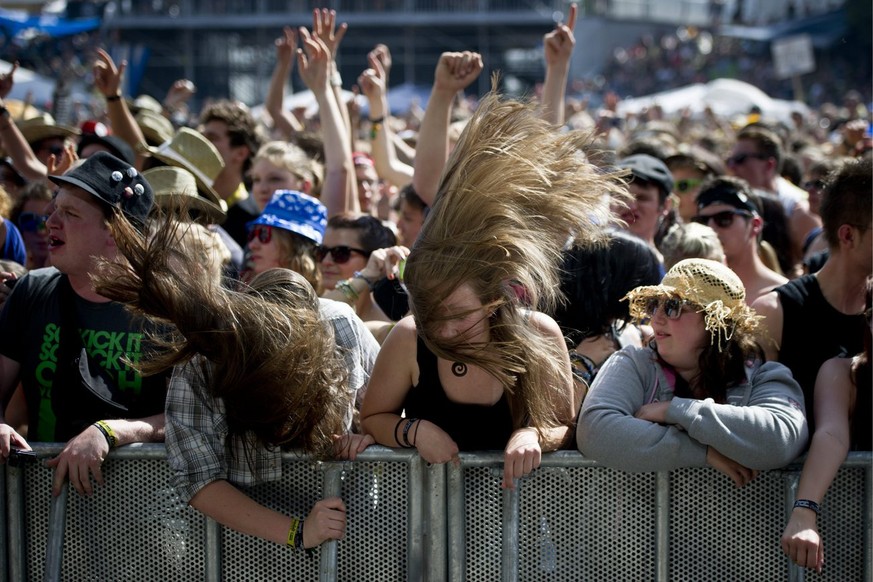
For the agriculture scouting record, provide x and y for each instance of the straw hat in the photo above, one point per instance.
(177, 188)
(43, 126)
(191, 151)
(712, 287)
(155, 127)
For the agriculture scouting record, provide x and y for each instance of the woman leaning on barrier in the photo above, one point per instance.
(843, 396)
(257, 372)
(700, 393)
(476, 366)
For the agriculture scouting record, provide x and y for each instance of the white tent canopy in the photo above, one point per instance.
(39, 87)
(726, 97)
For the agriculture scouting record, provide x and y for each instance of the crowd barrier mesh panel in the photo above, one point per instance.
(375, 546)
(483, 506)
(842, 527)
(132, 528)
(601, 522)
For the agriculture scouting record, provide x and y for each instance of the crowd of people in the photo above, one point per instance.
(492, 281)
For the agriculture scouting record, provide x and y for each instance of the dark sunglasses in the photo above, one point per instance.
(722, 219)
(341, 254)
(813, 185)
(671, 306)
(684, 186)
(740, 159)
(32, 222)
(262, 233)
(56, 150)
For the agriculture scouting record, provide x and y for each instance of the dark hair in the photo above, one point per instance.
(766, 141)
(373, 234)
(241, 127)
(775, 230)
(411, 197)
(595, 279)
(791, 170)
(846, 199)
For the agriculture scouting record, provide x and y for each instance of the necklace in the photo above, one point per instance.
(459, 369)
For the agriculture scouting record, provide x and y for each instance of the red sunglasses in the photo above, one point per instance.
(262, 233)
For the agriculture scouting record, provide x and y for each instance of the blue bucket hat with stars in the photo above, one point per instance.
(296, 212)
(113, 182)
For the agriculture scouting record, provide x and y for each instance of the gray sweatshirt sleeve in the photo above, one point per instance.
(767, 431)
(608, 432)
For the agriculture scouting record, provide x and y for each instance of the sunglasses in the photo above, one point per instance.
(262, 233)
(56, 150)
(341, 253)
(813, 185)
(740, 159)
(671, 306)
(722, 219)
(32, 222)
(684, 186)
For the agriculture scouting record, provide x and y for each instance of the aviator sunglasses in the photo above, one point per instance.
(32, 222)
(671, 306)
(722, 219)
(340, 253)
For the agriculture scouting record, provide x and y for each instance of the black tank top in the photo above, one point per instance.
(812, 332)
(473, 427)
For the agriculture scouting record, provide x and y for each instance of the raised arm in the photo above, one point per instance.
(373, 83)
(107, 80)
(834, 390)
(283, 121)
(454, 72)
(339, 193)
(324, 26)
(11, 138)
(558, 48)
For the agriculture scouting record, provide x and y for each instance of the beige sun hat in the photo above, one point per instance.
(43, 126)
(155, 127)
(176, 188)
(714, 290)
(190, 150)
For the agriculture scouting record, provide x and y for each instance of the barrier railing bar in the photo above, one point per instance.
(416, 529)
(327, 571)
(436, 523)
(54, 549)
(213, 553)
(510, 533)
(455, 508)
(4, 558)
(662, 526)
(868, 523)
(15, 505)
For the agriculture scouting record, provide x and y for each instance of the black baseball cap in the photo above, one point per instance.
(649, 169)
(113, 182)
(725, 190)
(115, 145)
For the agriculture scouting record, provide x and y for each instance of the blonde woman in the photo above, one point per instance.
(478, 366)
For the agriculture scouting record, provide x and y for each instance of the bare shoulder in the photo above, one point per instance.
(544, 323)
(767, 304)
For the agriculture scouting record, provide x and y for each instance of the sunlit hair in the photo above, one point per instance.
(263, 349)
(206, 248)
(298, 254)
(5, 203)
(289, 157)
(691, 241)
(513, 193)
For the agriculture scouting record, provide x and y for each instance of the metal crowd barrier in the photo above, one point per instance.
(569, 520)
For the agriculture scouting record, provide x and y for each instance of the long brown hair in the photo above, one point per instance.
(263, 349)
(514, 192)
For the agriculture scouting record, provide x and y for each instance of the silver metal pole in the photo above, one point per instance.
(54, 551)
(510, 534)
(457, 527)
(327, 571)
(213, 551)
(417, 518)
(4, 526)
(662, 526)
(15, 505)
(436, 534)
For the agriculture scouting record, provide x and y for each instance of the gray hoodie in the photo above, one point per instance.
(763, 425)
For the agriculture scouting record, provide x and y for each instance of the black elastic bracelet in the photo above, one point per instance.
(808, 504)
(378, 120)
(406, 427)
(396, 426)
(116, 97)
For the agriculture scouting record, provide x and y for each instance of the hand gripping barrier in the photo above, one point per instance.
(407, 520)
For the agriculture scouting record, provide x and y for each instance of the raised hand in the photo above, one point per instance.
(286, 46)
(7, 81)
(314, 61)
(455, 71)
(381, 53)
(324, 27)
(372, 80)
(179, 93)
(558, 44)
(107, 77)
(59, 166)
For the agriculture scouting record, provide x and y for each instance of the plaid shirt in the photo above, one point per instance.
(196, 424)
